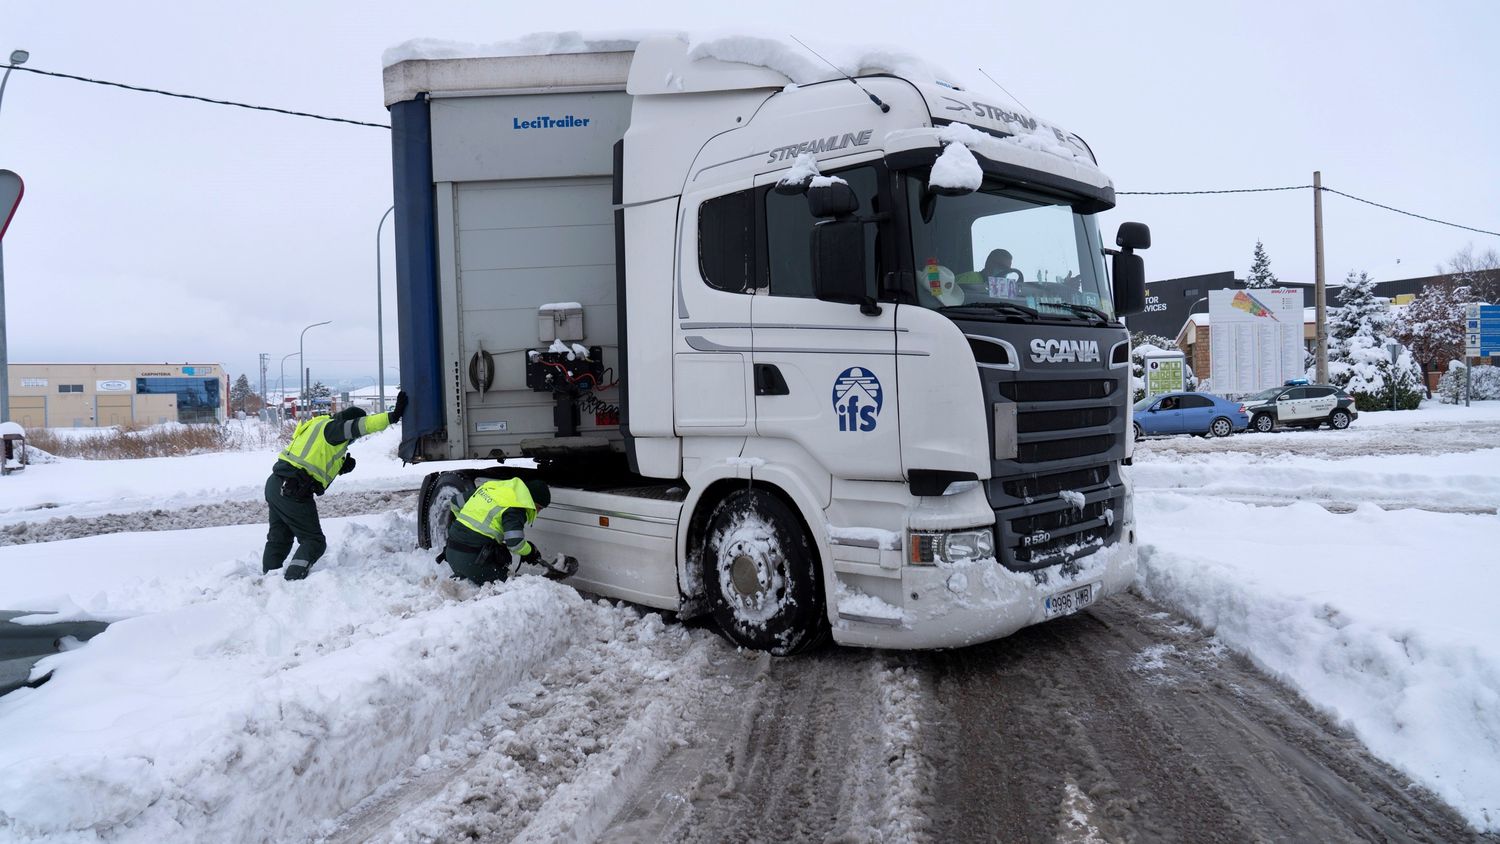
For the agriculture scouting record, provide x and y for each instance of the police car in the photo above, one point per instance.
(1298, 404)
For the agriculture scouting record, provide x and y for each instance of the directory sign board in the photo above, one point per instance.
(1255, 339)
(1165, 373)
(1482, 331)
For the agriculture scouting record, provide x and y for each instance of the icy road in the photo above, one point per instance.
(1300, 661)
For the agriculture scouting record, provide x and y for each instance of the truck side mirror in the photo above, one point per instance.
(838, 263)
(1128, 270)
(832, 199)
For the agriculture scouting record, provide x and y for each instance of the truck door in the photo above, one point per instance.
(711, 390)
(824, 372)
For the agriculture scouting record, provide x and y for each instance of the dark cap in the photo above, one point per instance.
(541, 496)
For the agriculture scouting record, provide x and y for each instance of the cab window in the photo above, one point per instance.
(726, 241)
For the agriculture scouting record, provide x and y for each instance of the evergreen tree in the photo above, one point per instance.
(239, 392)
(1358, 360)
(319, 390)
(1432, 326)
(1260, 270)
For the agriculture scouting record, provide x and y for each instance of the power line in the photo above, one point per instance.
(1410, 214)
(198, 98)
(1303, 187)
(1204, 192)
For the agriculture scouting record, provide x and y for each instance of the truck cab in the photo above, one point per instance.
(817, 356)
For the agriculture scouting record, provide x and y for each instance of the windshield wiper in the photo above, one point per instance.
(1082, 310)
(1006, 307)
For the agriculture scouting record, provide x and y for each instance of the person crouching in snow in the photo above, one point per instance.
(490, 527)
(316, 456)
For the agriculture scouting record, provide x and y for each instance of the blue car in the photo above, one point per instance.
(1204, 414)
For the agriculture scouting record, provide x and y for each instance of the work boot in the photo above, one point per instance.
(297, 570)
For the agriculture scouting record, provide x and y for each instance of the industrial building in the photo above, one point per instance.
(90, 395)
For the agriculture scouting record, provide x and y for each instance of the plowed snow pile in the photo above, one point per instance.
(230, 706)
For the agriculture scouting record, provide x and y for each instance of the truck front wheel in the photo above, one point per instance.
(761, 575)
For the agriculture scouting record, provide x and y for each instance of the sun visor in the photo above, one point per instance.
(1084, 186)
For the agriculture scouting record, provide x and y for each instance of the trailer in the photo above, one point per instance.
(818, 357)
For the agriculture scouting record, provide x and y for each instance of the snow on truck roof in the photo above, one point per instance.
(667, 62)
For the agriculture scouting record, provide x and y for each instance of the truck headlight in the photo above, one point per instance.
(928, 548)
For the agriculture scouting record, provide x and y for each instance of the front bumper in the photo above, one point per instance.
(957, 605)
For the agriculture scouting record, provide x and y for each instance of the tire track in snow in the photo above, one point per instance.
(820, 747)
(1122, 722)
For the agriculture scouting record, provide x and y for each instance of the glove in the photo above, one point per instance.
(400, 409)
(532, 556)
(348, 465)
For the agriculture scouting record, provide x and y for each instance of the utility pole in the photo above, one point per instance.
(264, 362)
(1322, 289)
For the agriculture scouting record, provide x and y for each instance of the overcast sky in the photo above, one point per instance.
(156, 229)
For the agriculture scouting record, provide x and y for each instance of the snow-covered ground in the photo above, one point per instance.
(1369, 586)
(380, 699)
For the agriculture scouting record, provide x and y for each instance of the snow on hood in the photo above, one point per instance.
(777, 52)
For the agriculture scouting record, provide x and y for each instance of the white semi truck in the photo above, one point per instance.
(839, 357)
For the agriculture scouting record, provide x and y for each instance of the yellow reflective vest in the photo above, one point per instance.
(311, 452)
(482, 512)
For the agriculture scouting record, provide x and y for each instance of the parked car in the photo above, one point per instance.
(1204, 414)
(1301, 406)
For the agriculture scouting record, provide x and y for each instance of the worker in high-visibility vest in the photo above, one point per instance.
(490, 527)
(316, 456)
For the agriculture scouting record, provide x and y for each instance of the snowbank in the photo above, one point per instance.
(1381, 618)
(246, 708)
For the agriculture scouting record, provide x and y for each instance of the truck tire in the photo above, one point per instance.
(1263, 423)
(450, 489)
(761, 575)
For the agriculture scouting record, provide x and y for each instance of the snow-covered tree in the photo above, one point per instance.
(1358, 360)
(239, 391)
(1432, 326)
(319, 390)
(1260, 270)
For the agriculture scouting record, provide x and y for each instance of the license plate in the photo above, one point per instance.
(1070, 601)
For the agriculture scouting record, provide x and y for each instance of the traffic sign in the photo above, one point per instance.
(11, 188)
(1482, 331)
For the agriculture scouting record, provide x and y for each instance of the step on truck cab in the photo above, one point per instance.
(813, 355)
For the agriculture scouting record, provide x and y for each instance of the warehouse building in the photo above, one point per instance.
(90, 395)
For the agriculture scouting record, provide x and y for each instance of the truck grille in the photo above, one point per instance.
(1039, 485)
(1074, 390)
(1048, 450)
(1062, 420)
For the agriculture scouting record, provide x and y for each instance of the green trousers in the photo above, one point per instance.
(474, 557)
(291, 518)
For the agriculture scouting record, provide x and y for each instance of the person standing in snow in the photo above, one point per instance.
(316, 456)
(491, 526)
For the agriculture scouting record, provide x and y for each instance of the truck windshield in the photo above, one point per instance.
(1007, 252)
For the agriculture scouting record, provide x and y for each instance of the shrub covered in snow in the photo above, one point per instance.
(1485, 385)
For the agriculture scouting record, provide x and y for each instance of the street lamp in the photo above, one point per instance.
(302, 362)
(17, 58)
(281, 382)
(379, 315)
